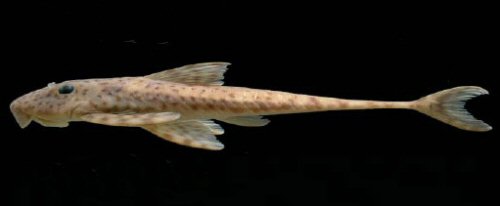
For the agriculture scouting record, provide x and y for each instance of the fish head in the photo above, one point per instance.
(51, 106)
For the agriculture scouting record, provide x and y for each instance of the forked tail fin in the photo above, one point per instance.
(448, 107)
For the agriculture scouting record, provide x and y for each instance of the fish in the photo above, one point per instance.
(180, 105)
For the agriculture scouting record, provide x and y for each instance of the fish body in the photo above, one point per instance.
(179, 104)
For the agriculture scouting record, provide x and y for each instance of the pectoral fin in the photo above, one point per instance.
(192, 133)
(131, 120)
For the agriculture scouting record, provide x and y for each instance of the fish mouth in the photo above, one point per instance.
(22, 118)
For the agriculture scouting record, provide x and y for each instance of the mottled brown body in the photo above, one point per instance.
(142, 95)
(178, 104)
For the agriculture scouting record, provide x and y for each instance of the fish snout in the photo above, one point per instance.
(22, 118)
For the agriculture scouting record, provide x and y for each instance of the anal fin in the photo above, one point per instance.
(247, 121)
(191, 133)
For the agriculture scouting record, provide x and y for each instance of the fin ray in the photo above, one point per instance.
(191, 133)
(448, 106)
(215, 128)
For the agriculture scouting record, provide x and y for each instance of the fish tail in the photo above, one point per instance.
(448, 106)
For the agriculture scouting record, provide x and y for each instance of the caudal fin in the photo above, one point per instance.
(448, 107)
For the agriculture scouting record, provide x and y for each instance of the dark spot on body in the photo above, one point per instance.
(194, 106)
(254, 109)
(285, 106)
(314, 101)
(135, 94)
(262, 105)
(84, 91)
(93, 104)
(224, 102)
(343, 104)
(167, 98)
(211, 106)
(236, 109)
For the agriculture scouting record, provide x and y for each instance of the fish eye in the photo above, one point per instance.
(66, 89)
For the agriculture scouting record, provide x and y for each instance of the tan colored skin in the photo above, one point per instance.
(142, 95)
(143, 101)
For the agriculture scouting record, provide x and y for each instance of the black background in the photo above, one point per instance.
(386, 52)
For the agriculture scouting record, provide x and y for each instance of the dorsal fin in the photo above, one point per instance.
(210, 73)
